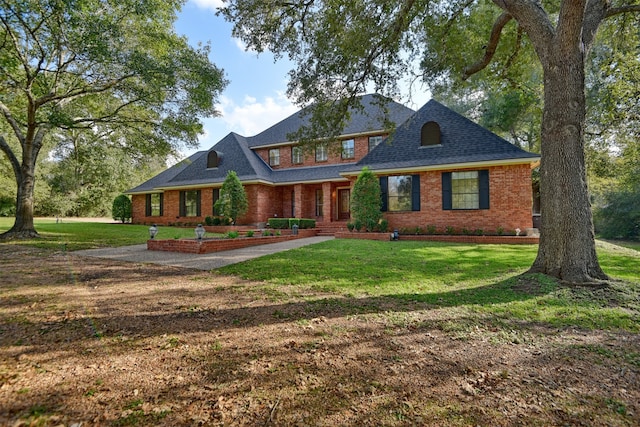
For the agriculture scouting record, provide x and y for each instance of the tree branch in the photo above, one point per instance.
(630, 8)
(15, 164)
(12, 122)
(490, 50)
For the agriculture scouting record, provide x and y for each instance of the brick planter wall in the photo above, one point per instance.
(492, 240)
(192, 246)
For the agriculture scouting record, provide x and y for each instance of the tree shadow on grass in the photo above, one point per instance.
(156, 315)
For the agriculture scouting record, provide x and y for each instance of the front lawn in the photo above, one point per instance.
(89, 235)
(483, 278)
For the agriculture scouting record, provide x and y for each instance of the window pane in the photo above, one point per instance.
(274, 157)
(296, 155)
(374, 141)
(348, 149)
(321, 153)
(465, 190)
(399, 193)
(155, 205)
(191, 203)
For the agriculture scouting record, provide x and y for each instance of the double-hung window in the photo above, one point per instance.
(296, 155)
(465, 190)
(348, 149)
(321, 153)
(190, 203)
(154, 204)
(400, 193)
(374, 141)
(274, 157)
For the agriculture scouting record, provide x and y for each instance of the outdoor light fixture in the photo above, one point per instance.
(153, 230)
(395, 235)
(200, 232)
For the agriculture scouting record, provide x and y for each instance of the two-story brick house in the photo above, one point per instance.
(437, 168)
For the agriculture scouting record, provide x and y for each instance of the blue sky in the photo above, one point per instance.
(255, 97)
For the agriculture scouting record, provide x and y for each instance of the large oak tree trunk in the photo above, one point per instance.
(23, 227)
(567, 241)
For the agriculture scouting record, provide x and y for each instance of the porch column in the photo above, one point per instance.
(297, 200)
(327, 202)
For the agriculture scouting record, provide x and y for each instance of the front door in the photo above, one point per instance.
(344, 202)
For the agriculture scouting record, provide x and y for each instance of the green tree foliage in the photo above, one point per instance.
(114, 68)
(344, 48)
(121, 209)
(619, 217)
(365, 200)
(88, 172)
(233, 202)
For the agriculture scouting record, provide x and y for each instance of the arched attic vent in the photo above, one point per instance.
(430, 134)
(213, 159)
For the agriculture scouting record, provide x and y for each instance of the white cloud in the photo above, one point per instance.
(252, 116)
(209, 4)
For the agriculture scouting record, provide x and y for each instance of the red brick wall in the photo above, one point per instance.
(361, 146)
(510, 199)
(510, 204)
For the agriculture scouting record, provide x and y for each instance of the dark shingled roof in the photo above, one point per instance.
(461, 141)
(370, 118)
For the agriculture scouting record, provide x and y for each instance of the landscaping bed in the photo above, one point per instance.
(511, 240)
(208, 245)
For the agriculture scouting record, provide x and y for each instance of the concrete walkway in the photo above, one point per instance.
(210, 261)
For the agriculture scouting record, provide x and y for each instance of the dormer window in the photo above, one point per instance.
(430, 134)
(213, 159)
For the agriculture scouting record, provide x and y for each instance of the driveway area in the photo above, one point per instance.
(210, 261)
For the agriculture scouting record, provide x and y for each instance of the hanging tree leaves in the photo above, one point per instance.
(344, 48)
(112, 67)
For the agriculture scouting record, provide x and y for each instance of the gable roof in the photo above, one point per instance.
(368, 119)
(461, 142)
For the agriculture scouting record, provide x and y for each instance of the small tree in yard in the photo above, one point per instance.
(233, 201)
(365, 201)
(121, 209)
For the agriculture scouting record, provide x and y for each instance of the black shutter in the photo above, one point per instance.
(182, 204)
(446, 191)
(483, 178)
(415, 192)
(198, 205)
(147, 206)
(161, 204)
(384, 193)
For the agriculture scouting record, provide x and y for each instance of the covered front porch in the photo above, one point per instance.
(327, 202)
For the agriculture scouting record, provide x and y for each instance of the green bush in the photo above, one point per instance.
(294, 221)
(233, 202)
(366, 202)
(250, 233)
(307, 223)
(121, 209)
(431, 229)
(278, 223)
(233, 234)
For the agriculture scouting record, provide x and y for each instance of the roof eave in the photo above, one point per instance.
(533, 161)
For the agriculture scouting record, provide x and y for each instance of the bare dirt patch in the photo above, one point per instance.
(90, 342)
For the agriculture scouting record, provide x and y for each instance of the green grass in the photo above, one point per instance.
(485, 280)
(89, 235)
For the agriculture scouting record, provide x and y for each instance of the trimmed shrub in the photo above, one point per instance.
(366, 202)
(307, 223)
(121, 209)
(278, 223)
